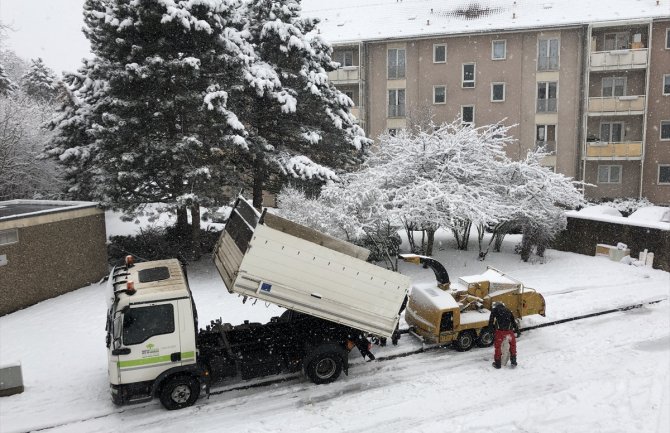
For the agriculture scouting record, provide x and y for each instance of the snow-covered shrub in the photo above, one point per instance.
(625, 205)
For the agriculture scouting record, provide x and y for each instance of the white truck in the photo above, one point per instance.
(334, 300)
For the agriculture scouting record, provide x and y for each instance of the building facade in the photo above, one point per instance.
(595, 95)
(48, 248)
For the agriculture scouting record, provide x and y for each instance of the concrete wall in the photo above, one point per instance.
(582, 235)
(55, 254)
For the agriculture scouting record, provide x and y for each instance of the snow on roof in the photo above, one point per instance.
(600, 210)
(15, 209)
(644, 219)
(349, 21)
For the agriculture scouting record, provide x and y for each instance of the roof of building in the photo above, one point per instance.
(349, 21)
(15, 209)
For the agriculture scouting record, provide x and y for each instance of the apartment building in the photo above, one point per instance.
(589, 82)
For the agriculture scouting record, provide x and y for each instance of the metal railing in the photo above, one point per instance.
(633, 104)
(619, 59)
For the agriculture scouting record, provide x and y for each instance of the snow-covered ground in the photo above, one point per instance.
(609, 373)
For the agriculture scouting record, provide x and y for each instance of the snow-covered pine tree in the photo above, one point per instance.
(147, 121)
(40, 81)
(299, 124)
(6, 85)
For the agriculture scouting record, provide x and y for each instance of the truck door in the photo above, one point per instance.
(150, 341)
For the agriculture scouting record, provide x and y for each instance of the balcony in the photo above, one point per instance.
(345, 75)
(610, 151)
(619, 59)
(616, 105)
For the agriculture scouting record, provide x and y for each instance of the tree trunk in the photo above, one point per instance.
(195, 231)
(430, 235)
(259, 181)
(182, 220)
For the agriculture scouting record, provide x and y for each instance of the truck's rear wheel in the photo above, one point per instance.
(324, 368)
(465, 341)
(179, 392)
(485, 338)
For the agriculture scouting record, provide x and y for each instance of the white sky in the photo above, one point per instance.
(50, 29)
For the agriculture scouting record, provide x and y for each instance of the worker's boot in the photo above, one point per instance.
(496, 363)
(513, 359)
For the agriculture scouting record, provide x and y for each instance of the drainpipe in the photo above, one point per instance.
(646, 107)
(585, 104)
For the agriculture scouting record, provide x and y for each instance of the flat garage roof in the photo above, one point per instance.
(14, 209)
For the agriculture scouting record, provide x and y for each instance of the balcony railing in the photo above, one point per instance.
(617, 105)
(547, 146)
(397, 110)
(619, 59)
(603, 150)
(346, 74)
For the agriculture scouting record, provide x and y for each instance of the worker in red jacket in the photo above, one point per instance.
(503, 322)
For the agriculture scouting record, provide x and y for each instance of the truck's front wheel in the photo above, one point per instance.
(179, 392)
(324, 368)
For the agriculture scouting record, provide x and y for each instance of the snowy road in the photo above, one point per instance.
(609, 373)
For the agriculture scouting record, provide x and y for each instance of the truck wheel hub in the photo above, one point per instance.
(325, 368)
(181, 394)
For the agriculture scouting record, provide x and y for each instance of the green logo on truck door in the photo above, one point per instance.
(150, 351)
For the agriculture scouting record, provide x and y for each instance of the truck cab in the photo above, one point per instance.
(151, 332)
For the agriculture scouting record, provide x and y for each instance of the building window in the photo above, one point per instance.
(468, 75)
(344, 58)
(547, 59)
(611, 132)
(499, 50)
(397, 103)
(439, 94)
(667, 39)
(614, 86)
(545, 137)
(497, 92)
(609, 174)
(617, 41)
(8, 237)
(664, 174)
(440, 53)
(666, 84)
(468, 114)
(546, 97)
(396, 63)
(665, 129)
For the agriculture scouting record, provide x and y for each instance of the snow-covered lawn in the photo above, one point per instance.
(609, 373)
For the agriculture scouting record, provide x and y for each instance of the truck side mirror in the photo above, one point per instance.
(121, 351)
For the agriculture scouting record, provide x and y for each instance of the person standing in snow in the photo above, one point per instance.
(503, 322)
